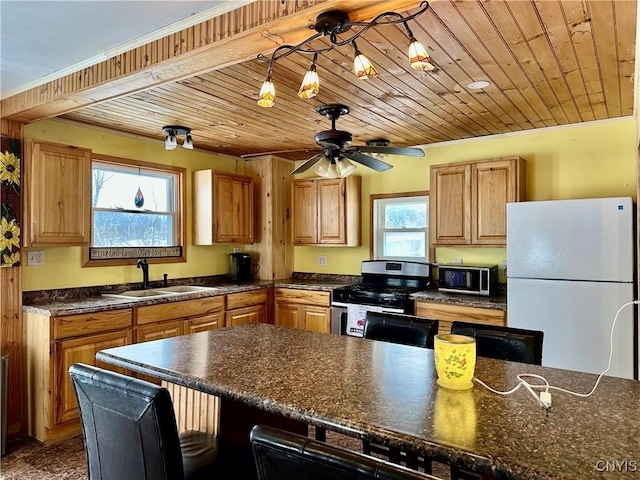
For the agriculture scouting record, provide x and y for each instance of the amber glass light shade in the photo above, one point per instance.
(418, 56)
(362, 67)
(267, 94)
(322, 167)
(345, 167)
(310, 84)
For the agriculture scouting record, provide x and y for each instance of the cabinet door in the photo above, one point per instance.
(202, 324)
(305, 212)
(331, 211)
(83, 350)
(241, 316)
(450, 205)
(233, 208)
(147, 333)
(494, 185)
(317, 319)
(58, 195)
(288, 315)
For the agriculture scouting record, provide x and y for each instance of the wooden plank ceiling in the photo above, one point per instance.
(550, 63)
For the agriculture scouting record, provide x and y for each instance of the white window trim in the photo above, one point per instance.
(377, 208)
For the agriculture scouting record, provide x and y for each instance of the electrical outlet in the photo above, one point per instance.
(35, 257)
(322, 260)
(237, 250)
(504, 268)
(457, 261)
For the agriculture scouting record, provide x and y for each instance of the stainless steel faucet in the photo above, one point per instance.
(142, 263)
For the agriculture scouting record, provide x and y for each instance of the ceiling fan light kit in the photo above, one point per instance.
(331, 24)
(337, 156)
(171, 137)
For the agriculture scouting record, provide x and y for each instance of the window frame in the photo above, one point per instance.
(374, 233)
(180, 215)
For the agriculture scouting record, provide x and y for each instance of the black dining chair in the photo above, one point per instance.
(400, 328)
(130, 432)
(503, 343)
(281, 455)
(406, 330)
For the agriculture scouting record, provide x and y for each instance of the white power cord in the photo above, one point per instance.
(544, 398)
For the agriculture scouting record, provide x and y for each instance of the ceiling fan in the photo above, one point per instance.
(334, 160)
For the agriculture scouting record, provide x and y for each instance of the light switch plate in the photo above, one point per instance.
(35, 258)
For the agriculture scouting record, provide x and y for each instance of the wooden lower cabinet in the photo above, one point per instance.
(247, 307)
(156, 331)
(83, 350)
(304, 309)
(51, 346)
(242, 316)
(447, 313)
(202, 324)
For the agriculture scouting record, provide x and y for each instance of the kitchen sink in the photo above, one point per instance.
(142, 294)
(159, 292)
(186, 289)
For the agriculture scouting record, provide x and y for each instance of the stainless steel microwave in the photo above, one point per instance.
(471, 279)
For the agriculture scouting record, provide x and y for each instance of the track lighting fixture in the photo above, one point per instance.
(331, 24)
(171, 137)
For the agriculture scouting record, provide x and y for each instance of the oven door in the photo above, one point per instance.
(348, 318)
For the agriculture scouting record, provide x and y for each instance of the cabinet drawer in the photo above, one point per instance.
(187, 308)
(90, 323)
(306, 297)
(447, 313)
(245, 299)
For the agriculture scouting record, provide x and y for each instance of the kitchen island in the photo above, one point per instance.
(387, 393)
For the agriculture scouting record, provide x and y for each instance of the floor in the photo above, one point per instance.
(28, 459)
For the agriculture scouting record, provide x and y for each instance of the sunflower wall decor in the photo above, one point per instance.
(10, 155)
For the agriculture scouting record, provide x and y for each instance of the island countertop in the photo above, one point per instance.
(388, 393)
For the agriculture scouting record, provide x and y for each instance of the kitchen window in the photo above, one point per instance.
(400, 226)
(136, 211)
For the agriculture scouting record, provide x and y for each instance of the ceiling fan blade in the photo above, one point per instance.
(308, 150)
(367, 161)
(308, 164)
(411, 152)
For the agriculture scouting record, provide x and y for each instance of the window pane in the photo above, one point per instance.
(125, 229)
(405, 215)
(404, 244)
(117, 189)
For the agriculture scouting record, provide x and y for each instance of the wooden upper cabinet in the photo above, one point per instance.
(327, 211)
(468, 203)
(223, 206)
(305, 212)
(58, 195)
(450, 204)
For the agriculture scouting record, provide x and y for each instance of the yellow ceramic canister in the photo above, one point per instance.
(455, 357)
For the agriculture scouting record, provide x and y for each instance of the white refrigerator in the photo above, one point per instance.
(570, 266)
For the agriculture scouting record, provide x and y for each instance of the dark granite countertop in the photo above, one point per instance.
(388, 393)
(498, 302)
(88, 299)
(61, 304)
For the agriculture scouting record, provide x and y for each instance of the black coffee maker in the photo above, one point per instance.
(240, 265)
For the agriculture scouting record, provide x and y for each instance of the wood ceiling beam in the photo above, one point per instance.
(231, 38)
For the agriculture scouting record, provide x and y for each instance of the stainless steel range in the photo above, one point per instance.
(385, 287)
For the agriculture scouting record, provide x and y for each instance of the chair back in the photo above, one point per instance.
(400, 328)
(129, 426)
(504, 343)
(283, 455)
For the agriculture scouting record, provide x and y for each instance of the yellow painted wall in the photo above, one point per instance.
(592, 160)
(62, 268)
